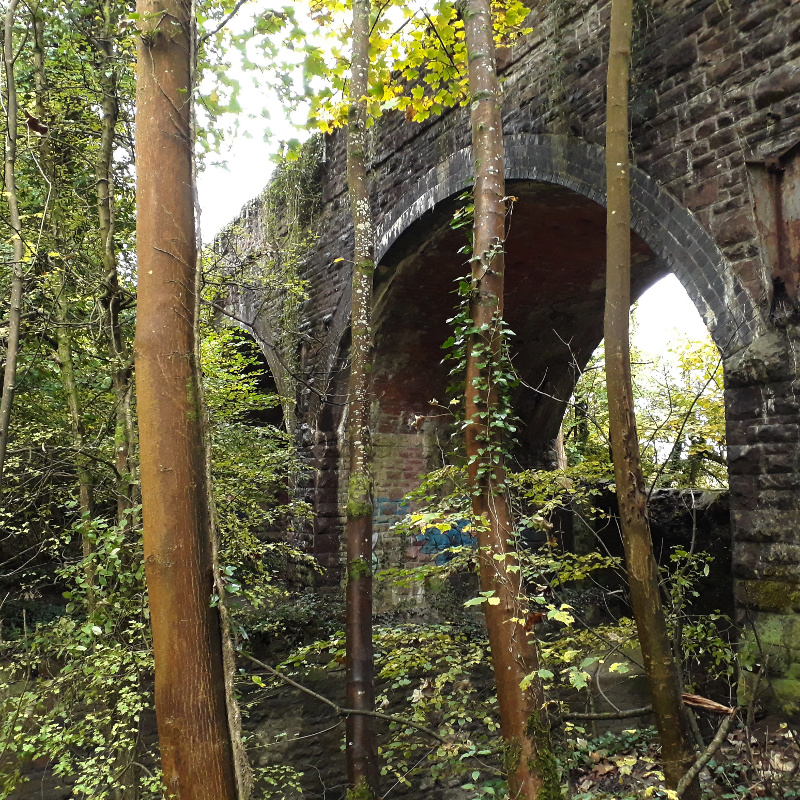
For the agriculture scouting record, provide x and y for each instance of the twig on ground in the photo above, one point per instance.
(633, 712)
(694, 771)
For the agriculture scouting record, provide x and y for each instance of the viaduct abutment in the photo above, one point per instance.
(716, 200)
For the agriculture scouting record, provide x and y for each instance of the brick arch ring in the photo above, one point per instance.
(676, 237)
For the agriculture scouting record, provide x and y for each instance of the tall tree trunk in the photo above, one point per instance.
(243, 772)
(362, 748)
(529, 760)
(85, 482)
(641, 564)
(63, 333)
(119, 355)
(196, 751)
(18, 266)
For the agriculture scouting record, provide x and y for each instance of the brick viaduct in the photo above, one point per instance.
(716, 200)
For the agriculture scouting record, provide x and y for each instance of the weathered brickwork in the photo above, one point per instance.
(715, 113)
(763, 412)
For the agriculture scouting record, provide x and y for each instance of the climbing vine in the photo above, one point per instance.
(490, 345)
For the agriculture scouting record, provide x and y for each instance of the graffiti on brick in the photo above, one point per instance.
(435, 540)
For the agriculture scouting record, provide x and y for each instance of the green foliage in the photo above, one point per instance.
(361, 791)
(359, 496)
(680, 417)
(421, 73)
(439, 674)
(573, 651)
(75, 689)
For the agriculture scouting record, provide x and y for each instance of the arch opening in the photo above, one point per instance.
(554, 300)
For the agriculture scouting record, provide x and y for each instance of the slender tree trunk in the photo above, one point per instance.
(529, 760)
(119, 355)
(196, 750)
(66, 362)
(17, 273)
(85, 481)
(641, 564)
(362, 748)
(63, 333)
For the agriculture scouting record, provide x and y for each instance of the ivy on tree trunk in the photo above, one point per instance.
(529, 760)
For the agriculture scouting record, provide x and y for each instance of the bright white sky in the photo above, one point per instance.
(665, 315)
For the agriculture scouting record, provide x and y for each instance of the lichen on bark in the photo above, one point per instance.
(359, 496)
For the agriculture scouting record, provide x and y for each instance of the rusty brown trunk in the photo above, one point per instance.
(641, 564)
(528, 759)
(196, 752)
(361, 744)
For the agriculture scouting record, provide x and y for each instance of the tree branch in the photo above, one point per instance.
(633, 712)
(698, 765)
(682, 428)
(346, 712)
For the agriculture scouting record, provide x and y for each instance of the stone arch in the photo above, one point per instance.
(679, 241)
(247, 311)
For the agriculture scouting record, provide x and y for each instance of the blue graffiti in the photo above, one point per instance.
(434, 540)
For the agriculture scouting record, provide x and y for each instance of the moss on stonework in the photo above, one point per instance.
(358, 568)
(360, 791)
(543, 764)
(359, 496)
(787, 694)
(772, 595)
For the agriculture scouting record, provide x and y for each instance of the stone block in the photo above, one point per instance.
(777, 561)
(770, 526)
(734, 228)
(776, 635)
(776, 85)
(326, 543)
(769, 433)
(765, 47)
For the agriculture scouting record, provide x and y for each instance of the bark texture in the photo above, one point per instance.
(529, 760)
(362, 748)
(641, 564)
(196, 751)
(113, 298)
(243, 772)
(18, 264)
